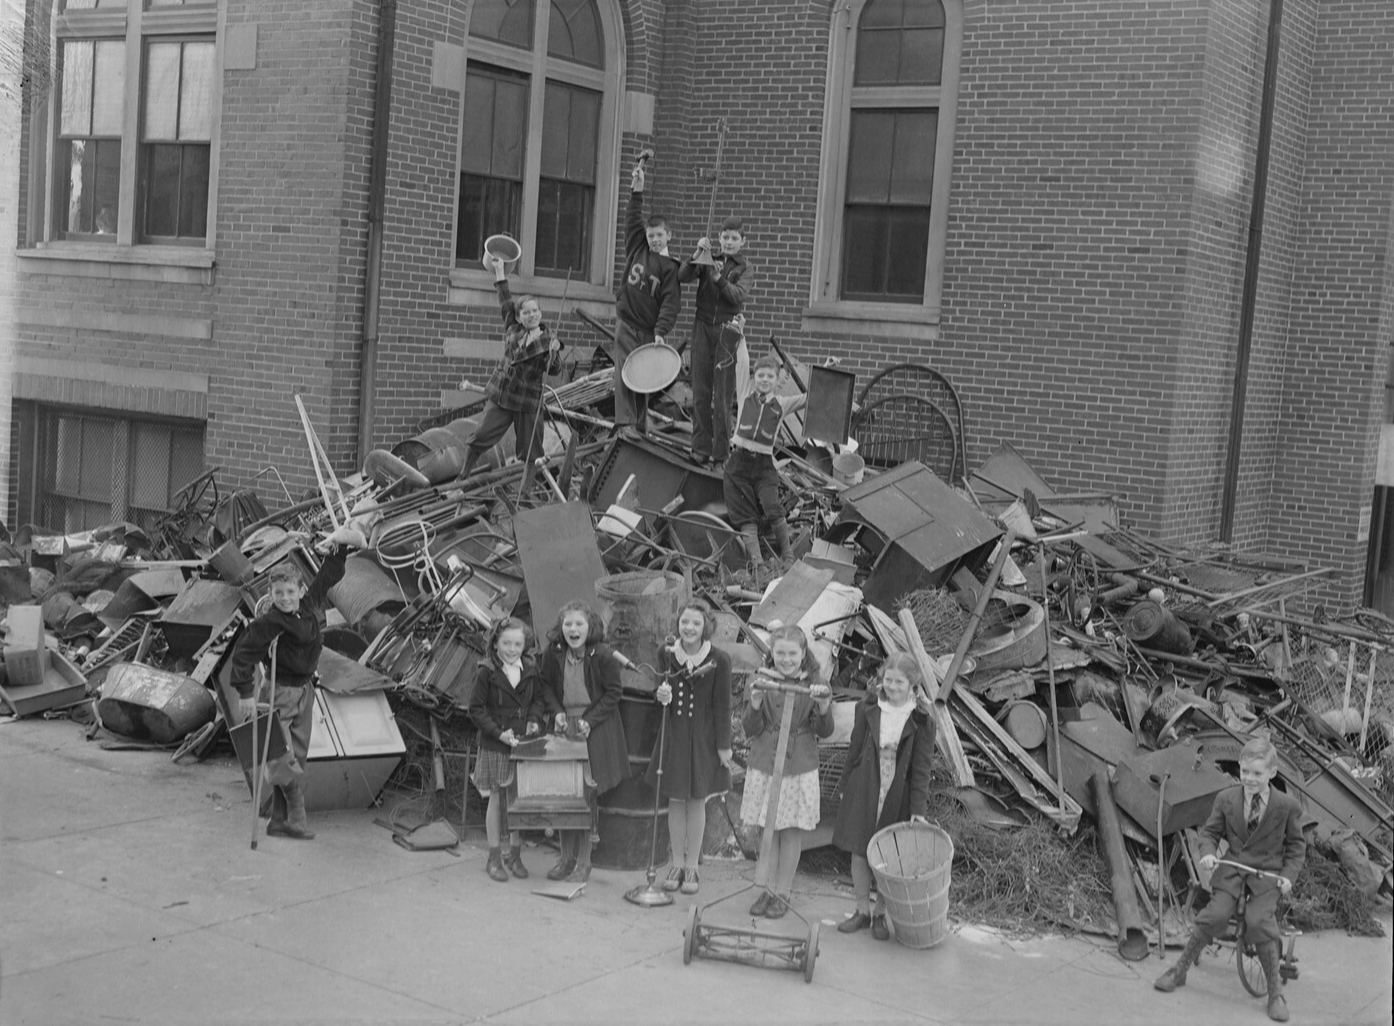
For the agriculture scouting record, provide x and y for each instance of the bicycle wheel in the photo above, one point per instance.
(1251, 972)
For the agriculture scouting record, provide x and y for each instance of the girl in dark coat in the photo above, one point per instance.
(696, 690)
(506, 706)
(885, 779)
(581, 691)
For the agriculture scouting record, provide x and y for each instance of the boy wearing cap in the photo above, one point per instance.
(722, 289)
(647, 304)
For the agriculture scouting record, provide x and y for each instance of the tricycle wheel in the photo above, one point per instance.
(689, 947)
(810, 955)
(1251, 972)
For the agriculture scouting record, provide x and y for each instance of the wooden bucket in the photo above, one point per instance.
(911, 862)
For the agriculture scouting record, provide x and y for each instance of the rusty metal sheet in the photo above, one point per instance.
(556, 545)
(928, 528)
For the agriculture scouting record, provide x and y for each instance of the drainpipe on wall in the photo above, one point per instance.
(1251, 269)
(377, 195)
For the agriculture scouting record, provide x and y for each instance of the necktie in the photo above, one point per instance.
(1254, 810)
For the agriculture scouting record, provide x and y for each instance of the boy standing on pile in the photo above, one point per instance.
(1263, 828)
(293, 621)
(751, 481)
(646, 307)
(722, 288)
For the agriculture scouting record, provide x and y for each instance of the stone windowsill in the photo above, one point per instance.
(895, 319)
(181, 264)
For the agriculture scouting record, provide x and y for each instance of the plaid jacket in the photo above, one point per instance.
(516, 383)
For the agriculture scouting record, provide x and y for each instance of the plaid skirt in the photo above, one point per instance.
(493, 769)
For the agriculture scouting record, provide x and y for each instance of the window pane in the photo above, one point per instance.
(196, 93)
(149, 466)
(563, 227)
(585, 128)
(96, 463)
(878, 58)
(912, 165)
(495, 124)
(556, 122)
(897, 13)
(109, 91)
(162, 91)
(67, 454)
(508, 21)
(90, 185)
(186, 459)
(872, 142)
(488, 206)
(76, 117)
(573, 33)
(884, 252)
(162, 189)
(193, 191)
(921, 57)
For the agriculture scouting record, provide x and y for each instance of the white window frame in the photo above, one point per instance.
(826, 311)
(137, 23)
(472, 284)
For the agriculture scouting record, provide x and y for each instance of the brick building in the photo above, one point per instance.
(1047, 200)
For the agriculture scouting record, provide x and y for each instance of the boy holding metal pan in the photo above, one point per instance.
(723, 283)
(647, 304)
(1263, 828)
(531, 351)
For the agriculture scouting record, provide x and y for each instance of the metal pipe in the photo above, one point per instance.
(1249, 300)
(1161, 867)
(1132, 940)
(377, 202)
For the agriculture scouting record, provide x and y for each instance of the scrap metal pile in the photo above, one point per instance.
(1078, 672)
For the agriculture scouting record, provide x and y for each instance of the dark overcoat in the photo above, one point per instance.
(699, 724)
(857, 821)
(606, 746)
(496, 707)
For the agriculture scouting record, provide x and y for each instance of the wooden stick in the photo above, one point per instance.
(966, 641)
(946, 735)
(1350, 677)
(1050, 670)
(1369, 693)
(1256, 589)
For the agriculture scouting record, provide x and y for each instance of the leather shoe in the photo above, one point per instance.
(562, 869)
(1278, 1008)
(280, 828)
(581, 873)
(513, 862)
(674, 880)
(879, 930)
(690, 883)
(856, 921)
(777, 907)
(762, 903)
(495, 869)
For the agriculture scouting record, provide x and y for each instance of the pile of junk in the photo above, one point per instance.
(1091, 687)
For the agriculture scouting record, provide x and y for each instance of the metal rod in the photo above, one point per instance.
(1050, 670)
(1161, 870)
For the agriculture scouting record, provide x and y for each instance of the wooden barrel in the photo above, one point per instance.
(626, 810)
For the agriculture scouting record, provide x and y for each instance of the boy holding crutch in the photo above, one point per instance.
(294, 623)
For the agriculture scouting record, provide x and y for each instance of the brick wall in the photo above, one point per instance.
(1340, 334)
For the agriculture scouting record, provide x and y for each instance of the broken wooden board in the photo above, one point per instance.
(556, 546)
(1063, 809)
(793, 596)
(945, 736)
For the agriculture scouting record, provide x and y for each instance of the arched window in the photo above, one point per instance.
(538, 138)
(887, 154)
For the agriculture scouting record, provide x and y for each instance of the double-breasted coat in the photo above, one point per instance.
(699, 724)
(857, 820)
(606, 747)
(495, 706)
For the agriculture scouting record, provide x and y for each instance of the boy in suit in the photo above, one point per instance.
(1263, 827)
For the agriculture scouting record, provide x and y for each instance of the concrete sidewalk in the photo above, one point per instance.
(129, 893)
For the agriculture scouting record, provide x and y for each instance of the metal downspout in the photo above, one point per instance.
(377, 193)
(1251, 269)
